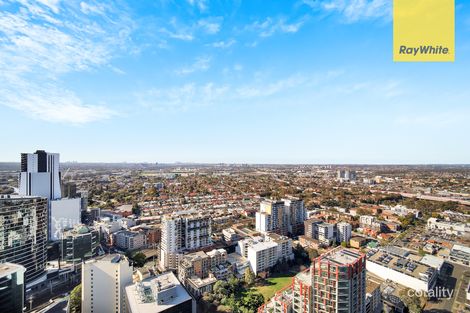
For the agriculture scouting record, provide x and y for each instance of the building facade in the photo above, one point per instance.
(23, 233)
(103, 283)
(12, 288)
(182, 233)
(159, 294)
(80, 243)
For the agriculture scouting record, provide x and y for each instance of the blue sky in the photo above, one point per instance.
(250, 81)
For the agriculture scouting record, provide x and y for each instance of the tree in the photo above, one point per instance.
(139, 259)
(411, 300)
(344, 244)
(249, 276)
(252, 301)
(135, 209)
(76, 299)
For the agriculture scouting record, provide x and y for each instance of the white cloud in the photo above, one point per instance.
(193, 94)
(270, 26)
(52, 104)
(201, 64)
(355, 10)
(43, 47)
(200, 4)
(224, 44)
(209, 26)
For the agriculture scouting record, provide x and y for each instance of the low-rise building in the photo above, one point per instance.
(128, 240)
(159, 294)
(460, 254)
(456, 228)
(389, 265)
(79, 243)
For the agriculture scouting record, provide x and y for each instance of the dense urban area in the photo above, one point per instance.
(241, 238)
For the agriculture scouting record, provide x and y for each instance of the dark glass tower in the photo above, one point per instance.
(23, 233)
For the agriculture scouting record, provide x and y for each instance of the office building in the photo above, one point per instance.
(460, 254)
(11, 288)
(23, 233)
(346, 175)
(103, 283)
(159, 294)
(40, 175)
(80, 243)
(183, 233)
(64, 213)
(455, 228)
(343, 232)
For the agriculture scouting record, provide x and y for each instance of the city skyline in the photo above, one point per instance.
(216, 82)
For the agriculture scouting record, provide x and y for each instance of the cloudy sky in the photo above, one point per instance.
(278, 81)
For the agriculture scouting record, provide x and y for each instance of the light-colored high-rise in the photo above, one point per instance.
(103, 284)
(181, 233)
(282, 217)
(40, 175)
(343, 232)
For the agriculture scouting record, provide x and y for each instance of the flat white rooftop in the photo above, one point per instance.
(144, 297)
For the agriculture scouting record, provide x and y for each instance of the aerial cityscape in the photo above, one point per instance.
(234, 156)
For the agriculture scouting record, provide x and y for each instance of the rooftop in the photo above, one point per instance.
(10, 268)
(156, 294)
(341, 256)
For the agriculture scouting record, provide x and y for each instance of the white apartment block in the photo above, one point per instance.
(264, 252)
(455, 228)
(262, 256)
(128, 240)
(366, 220)
(103, 283)
(182, 233)
(282, 217)
(343, 232)
(326, 233)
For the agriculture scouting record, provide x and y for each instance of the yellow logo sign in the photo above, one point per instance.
(423, 30)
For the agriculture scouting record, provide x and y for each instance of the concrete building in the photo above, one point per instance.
(159, 294)
(40, 175)
(393, 265)
(272, 217)
(296, 215)
(264, 252)
(129, 240)
(339, 280)
(326, 233)
(373, 297)
(12, 288)
(64, 213)
(80, 243)
(311, 228)
(23, 234)
(460, 254)
(456, 228)
(181, 233)
(343, 232)
(103, 283)
(334, 283)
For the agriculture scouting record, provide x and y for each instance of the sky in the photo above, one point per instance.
(255, 81)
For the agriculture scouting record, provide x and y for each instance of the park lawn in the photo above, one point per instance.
(275, 284)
